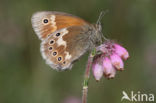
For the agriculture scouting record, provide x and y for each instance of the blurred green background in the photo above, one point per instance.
(24, 76)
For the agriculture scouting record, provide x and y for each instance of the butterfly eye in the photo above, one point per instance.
(59, 58)
(54, 53)
(58, 34)
(50, 48)
(45, 21)
(52, 41)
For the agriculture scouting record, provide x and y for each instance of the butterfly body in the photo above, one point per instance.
(65, 37)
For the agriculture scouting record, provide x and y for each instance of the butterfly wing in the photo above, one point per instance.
(66, 45)
(46, 22)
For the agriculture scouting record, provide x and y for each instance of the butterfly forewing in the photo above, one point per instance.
(45, 23)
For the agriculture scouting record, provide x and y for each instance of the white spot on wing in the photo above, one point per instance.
(60, 40)
(68, 56)
(53, 20)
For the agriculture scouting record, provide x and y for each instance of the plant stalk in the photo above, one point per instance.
(86, 78)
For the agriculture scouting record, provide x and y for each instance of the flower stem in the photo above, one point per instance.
(86, 77)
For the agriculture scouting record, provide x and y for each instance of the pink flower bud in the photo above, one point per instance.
(121, 51)
(109, 70)
(113, 73)
(117, 61)
(97, 71)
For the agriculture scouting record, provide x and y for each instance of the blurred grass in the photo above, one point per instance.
(24, 76)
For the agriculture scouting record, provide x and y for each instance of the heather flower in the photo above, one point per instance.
(108, 68)
(117, 61)
(109, 60)
(121, 51)
(97, 71)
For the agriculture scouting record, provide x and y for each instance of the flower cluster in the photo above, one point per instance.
(109, 60)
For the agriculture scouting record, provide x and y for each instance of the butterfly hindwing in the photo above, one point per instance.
(46, 22)
(64, 46)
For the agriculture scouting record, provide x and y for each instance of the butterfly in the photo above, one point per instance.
(64, 37)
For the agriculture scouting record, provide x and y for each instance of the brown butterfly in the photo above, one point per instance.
(64, 37)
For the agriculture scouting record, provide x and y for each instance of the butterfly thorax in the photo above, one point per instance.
(96, 35)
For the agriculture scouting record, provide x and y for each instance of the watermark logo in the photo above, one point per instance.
(138, 96)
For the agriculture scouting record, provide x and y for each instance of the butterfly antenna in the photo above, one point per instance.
(98, 23)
